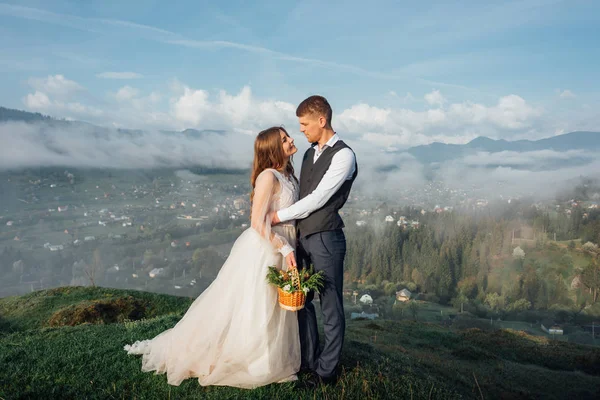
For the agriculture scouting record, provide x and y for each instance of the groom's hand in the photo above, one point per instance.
(274, 219)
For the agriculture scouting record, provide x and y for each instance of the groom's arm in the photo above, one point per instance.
(342, 167)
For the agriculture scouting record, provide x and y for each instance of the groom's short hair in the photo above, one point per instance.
(315, 105)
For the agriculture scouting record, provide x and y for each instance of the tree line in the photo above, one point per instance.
(461, 257)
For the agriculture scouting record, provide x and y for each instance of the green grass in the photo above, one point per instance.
(432, 312)
(34, 310)
(381, 359)
(566, 242)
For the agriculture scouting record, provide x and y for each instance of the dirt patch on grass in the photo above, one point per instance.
(99, 312)
(374, 326)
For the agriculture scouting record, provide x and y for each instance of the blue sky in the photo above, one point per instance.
(396, 73)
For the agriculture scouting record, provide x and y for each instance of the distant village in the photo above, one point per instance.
(66, 213)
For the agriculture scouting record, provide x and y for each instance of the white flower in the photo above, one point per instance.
(305, 290)
(287, 288)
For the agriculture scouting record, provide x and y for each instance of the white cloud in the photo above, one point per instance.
(186, 107)
(538, 174)
(375, 133)
(26, 145)
(511, 112)
(363, 117)
(530, 158)
(154, 97)
(119, 75)
(180, 107)
(126, 93)
(37, 101)
(126, 108)
(40, 101)
(237, 107)
(191, 107)
(435, 98)
(137, 107)
(55, 85)
(456, 123)
(80, 109)
(57, 95)
(407, 98)
(567, 94)
(240, 112)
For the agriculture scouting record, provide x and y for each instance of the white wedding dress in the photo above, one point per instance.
(235, 333)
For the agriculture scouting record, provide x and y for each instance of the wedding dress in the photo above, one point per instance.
(235, 333)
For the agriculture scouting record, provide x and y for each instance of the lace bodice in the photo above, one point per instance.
(273, 191)
(287, 194)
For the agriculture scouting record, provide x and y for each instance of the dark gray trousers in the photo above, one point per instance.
(326, 252)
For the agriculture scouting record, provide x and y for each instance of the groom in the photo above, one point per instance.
(328, 170)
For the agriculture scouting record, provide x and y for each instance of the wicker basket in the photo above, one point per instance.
(292, 301)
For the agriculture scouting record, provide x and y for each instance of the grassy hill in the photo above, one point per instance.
(68, 343)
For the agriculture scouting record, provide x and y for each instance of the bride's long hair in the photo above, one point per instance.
(268, 153)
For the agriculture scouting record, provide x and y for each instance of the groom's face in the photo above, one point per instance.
(312, 126)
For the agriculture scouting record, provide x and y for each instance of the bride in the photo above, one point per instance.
(235, 333)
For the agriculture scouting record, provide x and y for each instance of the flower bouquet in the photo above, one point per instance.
(293, 285)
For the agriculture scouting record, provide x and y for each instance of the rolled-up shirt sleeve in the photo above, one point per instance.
(342, 167)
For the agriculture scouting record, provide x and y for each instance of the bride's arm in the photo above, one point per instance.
(266, 186)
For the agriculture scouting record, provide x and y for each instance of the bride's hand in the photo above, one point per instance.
(290, 260)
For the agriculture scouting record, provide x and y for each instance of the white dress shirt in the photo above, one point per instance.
(343, 164)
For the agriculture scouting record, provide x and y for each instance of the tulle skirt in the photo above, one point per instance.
(234, 333)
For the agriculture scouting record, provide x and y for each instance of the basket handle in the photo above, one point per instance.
(295, 277)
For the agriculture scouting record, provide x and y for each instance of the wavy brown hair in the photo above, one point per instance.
(268, 153)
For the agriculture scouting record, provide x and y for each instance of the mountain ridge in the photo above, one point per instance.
(429, 154)
(14, 115)
(440, 152)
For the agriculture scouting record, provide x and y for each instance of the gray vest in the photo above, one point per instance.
(325, 218)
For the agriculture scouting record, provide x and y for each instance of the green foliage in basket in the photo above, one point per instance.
(309, 280)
